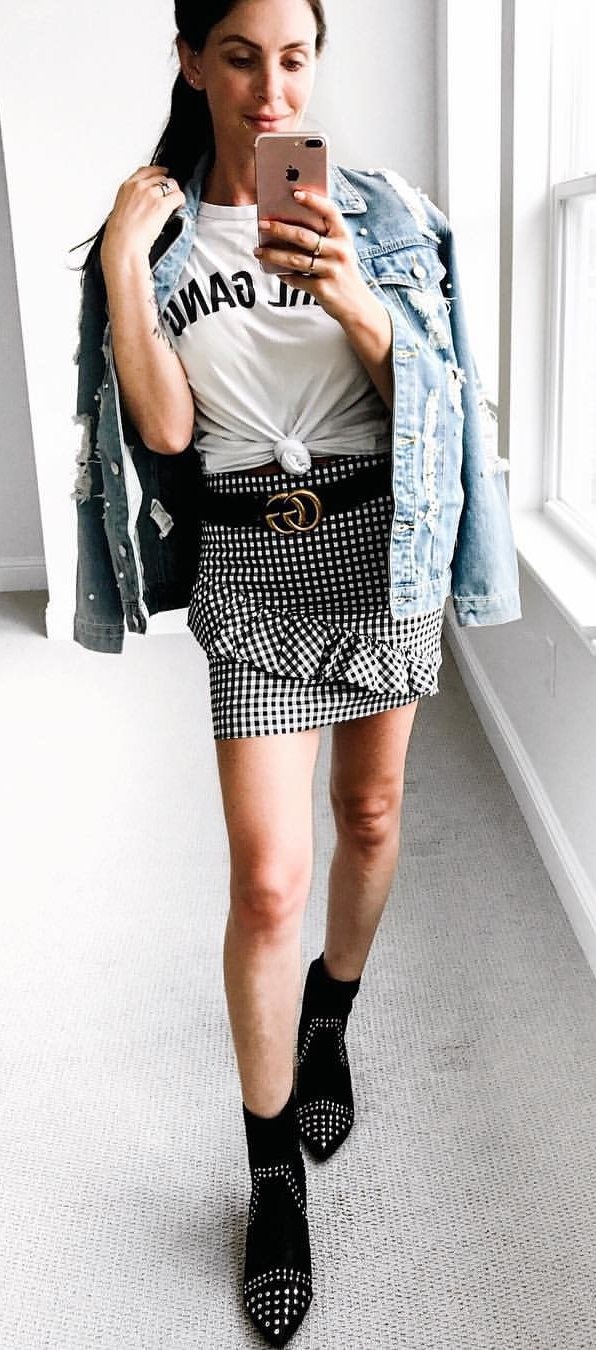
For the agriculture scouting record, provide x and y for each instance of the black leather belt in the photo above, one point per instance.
(297, 509)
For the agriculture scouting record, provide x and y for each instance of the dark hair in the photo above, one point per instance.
(189, 130)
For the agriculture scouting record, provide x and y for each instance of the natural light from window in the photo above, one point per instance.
(572, 479)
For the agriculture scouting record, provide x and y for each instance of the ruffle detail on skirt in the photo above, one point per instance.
(300, 646)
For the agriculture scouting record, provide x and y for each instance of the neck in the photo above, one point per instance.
(231, 180)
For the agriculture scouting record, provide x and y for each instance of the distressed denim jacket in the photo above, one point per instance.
(139, 512)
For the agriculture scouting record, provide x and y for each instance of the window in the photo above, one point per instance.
(570, 478)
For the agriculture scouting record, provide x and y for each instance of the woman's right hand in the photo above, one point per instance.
(139, 213)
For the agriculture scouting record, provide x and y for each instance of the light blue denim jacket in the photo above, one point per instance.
(138, 512)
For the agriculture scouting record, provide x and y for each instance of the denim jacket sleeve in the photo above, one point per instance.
(138, 514)
(485, 578)
(98, 622)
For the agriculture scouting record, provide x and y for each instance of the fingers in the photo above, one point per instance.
(151, 176)
(149, 171)
(306, 236)
(330, 213)
(142, 207)
(300, 236)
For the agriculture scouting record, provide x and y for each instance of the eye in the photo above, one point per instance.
(294, 65)
(240, 61)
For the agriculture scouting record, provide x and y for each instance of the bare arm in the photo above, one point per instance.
(151, 376)
(155, 390)
(370, 332)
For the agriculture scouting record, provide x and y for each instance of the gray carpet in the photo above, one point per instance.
(461, 1213)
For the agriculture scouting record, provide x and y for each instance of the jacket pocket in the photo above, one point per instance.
(410, 276)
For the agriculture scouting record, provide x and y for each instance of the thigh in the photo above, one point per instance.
(266, 784)
(368, 760)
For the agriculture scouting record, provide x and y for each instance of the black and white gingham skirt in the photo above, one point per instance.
(297, 627)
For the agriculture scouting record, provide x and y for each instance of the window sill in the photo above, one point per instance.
(564, 571)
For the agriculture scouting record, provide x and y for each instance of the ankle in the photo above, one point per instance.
(272, 1138)
(326, 992)
(350, 984)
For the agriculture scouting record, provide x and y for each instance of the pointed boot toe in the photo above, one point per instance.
(324, 1097)
(277, 1287)
(277, 1302)
(324, 1125)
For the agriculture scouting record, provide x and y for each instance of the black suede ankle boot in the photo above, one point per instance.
(325, 1102)
(277, 1284)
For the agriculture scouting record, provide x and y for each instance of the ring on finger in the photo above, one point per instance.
(315, 254)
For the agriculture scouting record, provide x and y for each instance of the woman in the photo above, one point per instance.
(286, 383)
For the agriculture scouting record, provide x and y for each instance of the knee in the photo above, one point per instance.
(269, 899)
(369, 822)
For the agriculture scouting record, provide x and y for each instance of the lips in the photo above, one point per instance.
(264, 121)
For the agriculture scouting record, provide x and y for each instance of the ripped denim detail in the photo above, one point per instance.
(426, 303)
(494, 463)
(413, 198)
(429, 460)
(82, 486)
(456, 377)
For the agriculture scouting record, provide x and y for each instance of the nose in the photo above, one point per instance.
(269, 84)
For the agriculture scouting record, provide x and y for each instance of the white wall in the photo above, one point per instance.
(377, 91)
(88, 113)
(22, 564)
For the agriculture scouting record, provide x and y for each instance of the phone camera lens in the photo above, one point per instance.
(313, 143)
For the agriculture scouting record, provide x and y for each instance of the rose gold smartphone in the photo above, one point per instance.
(285, 161)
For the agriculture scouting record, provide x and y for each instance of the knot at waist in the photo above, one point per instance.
(292, 454)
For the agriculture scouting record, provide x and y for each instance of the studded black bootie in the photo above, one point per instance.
(277, 1286)
(325, 1102)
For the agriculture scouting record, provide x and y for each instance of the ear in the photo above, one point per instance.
(189, 64)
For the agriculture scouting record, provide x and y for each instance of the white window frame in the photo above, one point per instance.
(549, 543)
(561, 513)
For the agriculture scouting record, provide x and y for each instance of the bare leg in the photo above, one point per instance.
(266, 786)
(367, 776)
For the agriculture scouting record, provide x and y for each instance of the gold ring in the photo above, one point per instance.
(315, 254)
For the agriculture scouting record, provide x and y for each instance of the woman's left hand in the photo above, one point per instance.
(334, 278)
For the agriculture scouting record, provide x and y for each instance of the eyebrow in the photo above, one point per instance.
(237, 37)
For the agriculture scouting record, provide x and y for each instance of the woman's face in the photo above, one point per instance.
(257, 68)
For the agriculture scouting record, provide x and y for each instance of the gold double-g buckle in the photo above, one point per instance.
(302, 503)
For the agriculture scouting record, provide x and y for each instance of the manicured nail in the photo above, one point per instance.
(264, 224)
(299, 193)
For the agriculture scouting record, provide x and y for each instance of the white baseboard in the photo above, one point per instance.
(571, 882)
(23, 574)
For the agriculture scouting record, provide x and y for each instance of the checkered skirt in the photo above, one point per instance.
(297, 627)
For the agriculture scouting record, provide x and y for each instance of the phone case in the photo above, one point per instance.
(285, 161)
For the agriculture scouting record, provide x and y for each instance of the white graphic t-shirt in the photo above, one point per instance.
(272, 374)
